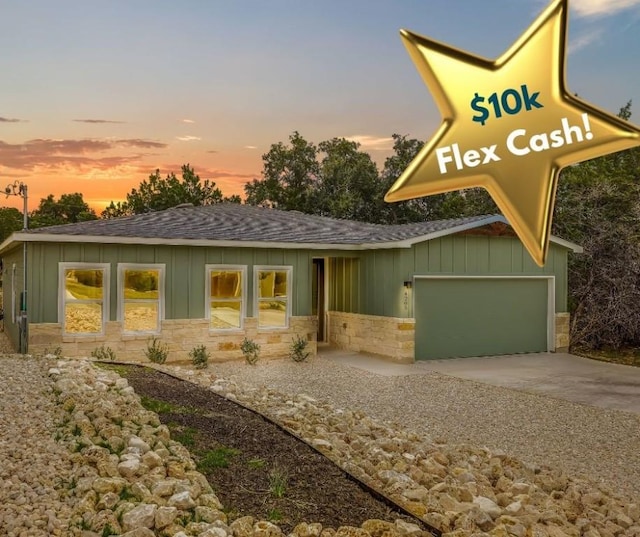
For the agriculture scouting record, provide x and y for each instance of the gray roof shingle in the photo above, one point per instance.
(244, 223)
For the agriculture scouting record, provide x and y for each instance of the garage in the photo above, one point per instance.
(482, 316)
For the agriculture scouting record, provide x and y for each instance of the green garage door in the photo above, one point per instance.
(458, 317)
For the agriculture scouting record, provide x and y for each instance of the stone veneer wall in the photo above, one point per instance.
(562, 332)
(181, 335)
(391, 337)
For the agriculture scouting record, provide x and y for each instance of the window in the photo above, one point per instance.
(84, 297)
(226, 292)
(141, 297)
(272, 289)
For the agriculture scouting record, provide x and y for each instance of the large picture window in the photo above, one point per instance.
(141, 297)
(84, 297)
(273, 294)
(226, 296)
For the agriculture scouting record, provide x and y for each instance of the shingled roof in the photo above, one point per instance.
(246, 225)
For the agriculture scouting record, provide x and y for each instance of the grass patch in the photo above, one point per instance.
(186, 436)
(274, 515)
(216, 458)
(256, 463)
(621, 356)
(157, 406)
(278, 482)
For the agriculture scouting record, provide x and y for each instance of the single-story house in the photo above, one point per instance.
(214, 275)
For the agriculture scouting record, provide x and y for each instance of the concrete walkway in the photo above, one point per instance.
(559, 375)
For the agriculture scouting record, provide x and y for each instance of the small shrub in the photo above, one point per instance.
(251, 350)
(298, 350)
(103, 353)
(156, 351)
(199, 356)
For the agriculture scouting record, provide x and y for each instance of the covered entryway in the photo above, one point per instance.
(482, 316)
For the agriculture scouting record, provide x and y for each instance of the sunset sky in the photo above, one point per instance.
(94, 96)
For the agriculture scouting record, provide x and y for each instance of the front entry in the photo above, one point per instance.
(318, 306)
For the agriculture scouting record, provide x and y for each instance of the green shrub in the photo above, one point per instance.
(199, 356)
(298, 350)
(103, 353)
(156, 351)
(251, 350)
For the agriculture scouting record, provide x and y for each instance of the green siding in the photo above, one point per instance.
(184, 274)
(384, 271)
(344, 289)
(462, 317)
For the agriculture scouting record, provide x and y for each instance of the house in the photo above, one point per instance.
(214, 275)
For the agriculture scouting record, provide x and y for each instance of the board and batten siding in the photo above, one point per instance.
(383, 272)
(184, 275)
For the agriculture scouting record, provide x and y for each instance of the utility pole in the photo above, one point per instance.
(18, 188)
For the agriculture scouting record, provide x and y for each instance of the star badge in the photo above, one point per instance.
(508, 125)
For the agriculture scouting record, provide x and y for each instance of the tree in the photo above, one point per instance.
(436, 207)
(289, 177)
(69, 209)
(157, 194)
(11, 220)
(598, 207)
(348, 185)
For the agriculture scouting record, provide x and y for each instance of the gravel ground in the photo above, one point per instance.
(594, 443)
(32, 463)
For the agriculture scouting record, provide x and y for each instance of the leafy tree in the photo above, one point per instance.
(10, 220)
(289, 177)
(349, 186)
(436, 207)
(598, 207)
(69, 209)
(157, 194)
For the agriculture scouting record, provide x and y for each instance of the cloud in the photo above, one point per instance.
(372, 143)
(213, 151)
(584, 40)
(591, 8)
(84, 153)
(188, 138)
(12, 120)
(96, 121)
(250, 147)
(187, 121)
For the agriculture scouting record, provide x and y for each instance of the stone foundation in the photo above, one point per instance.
(390, 337)
(562, 332)
(180, 335)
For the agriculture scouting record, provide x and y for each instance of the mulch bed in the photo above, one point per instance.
(255, 467)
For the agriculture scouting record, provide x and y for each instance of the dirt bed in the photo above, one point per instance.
(254, 466)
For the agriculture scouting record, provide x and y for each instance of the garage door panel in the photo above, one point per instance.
(461, 317)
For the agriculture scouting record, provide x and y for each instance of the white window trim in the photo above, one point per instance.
(62, 301)
(209, 268)
(256, 299)
(160, 267)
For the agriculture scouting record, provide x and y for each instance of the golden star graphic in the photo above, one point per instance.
(508, 125)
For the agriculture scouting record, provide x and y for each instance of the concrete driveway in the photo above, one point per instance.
(560, 375)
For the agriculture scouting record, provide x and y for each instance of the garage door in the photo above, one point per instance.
(459, 317)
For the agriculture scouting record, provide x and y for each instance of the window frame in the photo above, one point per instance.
(212, 267)
(161, 268)
(256, 294)
(63, 267)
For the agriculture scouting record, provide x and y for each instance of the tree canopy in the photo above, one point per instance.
(158, 193)
(69, 209)
(10, 220)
